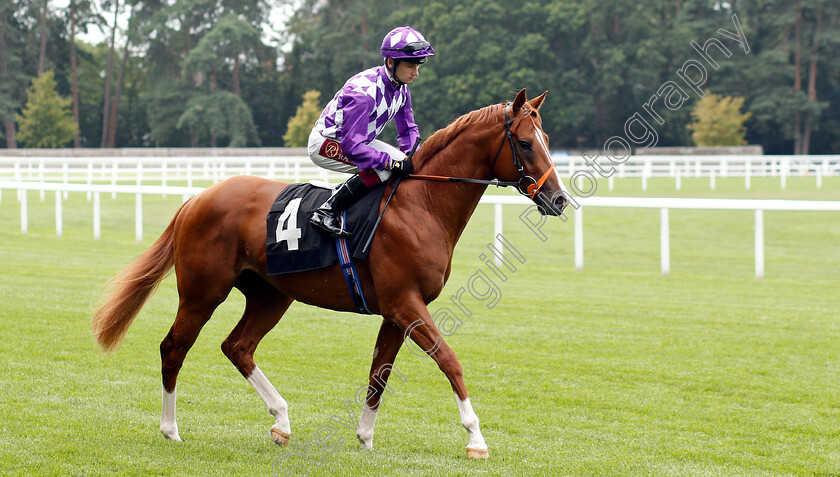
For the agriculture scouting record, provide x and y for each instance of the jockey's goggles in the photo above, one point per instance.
(412, 47)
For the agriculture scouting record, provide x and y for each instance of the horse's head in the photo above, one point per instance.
(523, 156)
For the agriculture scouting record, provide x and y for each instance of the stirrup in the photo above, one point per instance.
(326, 222)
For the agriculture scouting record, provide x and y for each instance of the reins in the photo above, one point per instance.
(494, 182)
(531, 190)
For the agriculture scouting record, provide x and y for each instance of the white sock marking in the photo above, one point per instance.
(168, 425)
(365, 430)
(470, 422)
(277, 406)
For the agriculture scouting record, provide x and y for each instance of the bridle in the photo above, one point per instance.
(534, 187)
(530, 190)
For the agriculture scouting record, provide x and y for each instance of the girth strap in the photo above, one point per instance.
(351, 276)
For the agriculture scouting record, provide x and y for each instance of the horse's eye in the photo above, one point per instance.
(525, 145)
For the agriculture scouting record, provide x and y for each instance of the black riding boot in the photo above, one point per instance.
(326, 216)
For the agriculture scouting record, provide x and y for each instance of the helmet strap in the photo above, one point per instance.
(394, 71)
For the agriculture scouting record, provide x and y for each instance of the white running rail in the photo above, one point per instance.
(529, 215)
(534, 221)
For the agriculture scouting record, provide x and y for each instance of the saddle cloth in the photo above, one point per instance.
(294, 245)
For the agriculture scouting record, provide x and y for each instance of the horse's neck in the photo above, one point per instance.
(452, 204)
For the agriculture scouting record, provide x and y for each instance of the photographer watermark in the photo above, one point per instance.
(637, 130)
(484, 285)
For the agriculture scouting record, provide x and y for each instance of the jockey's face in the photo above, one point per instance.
(406, 72)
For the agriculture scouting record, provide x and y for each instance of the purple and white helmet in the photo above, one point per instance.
(406, 43)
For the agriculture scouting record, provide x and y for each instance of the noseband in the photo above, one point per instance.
(530, 190)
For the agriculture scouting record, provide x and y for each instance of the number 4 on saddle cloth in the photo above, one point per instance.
(294, 245)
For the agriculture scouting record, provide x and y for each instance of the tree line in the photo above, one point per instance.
(216, 73)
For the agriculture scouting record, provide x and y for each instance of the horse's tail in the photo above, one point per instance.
(128, 291)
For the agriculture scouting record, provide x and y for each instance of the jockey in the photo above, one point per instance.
(344, 137)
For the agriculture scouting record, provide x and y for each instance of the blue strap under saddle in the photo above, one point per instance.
(351, 276)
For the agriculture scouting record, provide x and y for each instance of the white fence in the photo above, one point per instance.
(704, 166)
(160, 169)
(294, 165)
(96, 190)
(712, 167)
(664, 204)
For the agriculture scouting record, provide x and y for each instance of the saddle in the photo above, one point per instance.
(294, 245)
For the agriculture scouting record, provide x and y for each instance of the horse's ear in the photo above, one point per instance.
(538, 101)
(518, 102)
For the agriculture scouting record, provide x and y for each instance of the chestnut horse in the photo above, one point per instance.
(216, 242)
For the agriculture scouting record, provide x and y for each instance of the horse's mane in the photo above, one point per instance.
(445, 136)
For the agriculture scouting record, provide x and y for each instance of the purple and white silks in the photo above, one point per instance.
(358, 113)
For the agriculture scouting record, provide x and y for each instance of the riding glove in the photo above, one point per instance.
(403, 168)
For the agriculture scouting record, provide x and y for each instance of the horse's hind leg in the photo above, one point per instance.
(173, 349)
(200, 294)
(264, 306)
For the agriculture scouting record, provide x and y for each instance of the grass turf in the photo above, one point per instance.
(611, 370)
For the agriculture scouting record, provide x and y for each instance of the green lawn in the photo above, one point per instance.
(612, 370)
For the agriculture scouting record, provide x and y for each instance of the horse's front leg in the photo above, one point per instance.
(388, 344)
(414, 318)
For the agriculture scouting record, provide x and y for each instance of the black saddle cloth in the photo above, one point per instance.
(294, 245)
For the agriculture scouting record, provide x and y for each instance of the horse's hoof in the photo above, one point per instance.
(280, 437)
(366, 440)
(478, 453)
(171, 434)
